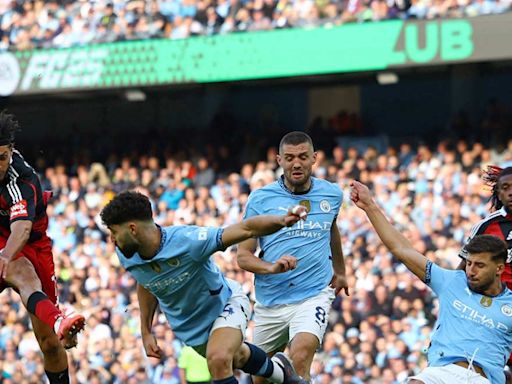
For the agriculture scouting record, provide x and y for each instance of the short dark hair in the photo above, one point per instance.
(491, 177)
(488, 243)
(127, 206)
(8, 128)
(295, 138)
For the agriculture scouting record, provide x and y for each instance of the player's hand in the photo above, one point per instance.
(360, 195)
(294, 214)
(338, 283)
(283, 264)
(151, 346)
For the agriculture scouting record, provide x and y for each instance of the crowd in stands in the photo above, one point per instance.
(377, 335)
(67, 23)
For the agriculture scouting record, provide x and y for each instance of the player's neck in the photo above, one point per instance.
(298, 188)
(150, 243)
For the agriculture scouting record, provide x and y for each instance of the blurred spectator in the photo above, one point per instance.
(43, 24)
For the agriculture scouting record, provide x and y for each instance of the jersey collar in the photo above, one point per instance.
(163, 238)
(283, 185)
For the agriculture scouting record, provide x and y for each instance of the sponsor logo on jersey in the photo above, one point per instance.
(309, 228)
(468, 313)
(19, 210)
(167, 285)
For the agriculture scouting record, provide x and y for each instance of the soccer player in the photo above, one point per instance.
(472, 338)
(498, 223)
(293, 304)
(26, 260)
(173, 269)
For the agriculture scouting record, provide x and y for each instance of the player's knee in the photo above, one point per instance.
(50, 345)
(241, 356)
(219, 360)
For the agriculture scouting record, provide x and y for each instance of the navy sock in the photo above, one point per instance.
(258, 364)
(227, 380)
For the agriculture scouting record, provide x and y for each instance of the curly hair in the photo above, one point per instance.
(126, 206)
(491, 177)
(8, 128)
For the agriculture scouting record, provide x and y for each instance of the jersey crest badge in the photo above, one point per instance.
(486, 301)
(175, 262)
(506, 310)
(156, 267)
(307, 204)
(325, 206)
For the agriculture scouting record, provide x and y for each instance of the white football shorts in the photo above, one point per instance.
(277, 325)
(237, 310)
(449, 374)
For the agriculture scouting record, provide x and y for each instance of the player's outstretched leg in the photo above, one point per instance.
(278, 369)
(302, 351)
(22, 275)
(226, 351)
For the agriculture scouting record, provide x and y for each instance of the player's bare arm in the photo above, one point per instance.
(397, 244)
(246, 258)
(262, 225)
(248, 261)
(339, 280)
(20, 232)
(148, 304)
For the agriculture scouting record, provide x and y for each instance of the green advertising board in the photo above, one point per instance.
(257, 55)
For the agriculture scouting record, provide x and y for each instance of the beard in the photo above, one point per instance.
(129, 250)
(298, 182)
(480, 287)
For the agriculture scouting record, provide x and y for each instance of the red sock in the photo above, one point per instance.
(41, 306)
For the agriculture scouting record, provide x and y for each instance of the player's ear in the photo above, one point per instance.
(132, 227)
(500, 268)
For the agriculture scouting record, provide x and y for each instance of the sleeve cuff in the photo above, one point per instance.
(220, 243)
(428, 272)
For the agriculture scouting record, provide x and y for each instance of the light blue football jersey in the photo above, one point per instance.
(190, 289)
(308, 241)
(469, 324)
